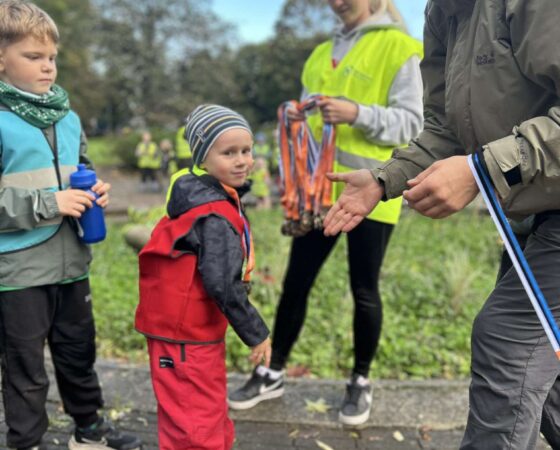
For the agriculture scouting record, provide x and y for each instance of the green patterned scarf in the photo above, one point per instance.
(39, 110)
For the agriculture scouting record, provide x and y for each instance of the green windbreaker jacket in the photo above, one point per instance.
(491, 74)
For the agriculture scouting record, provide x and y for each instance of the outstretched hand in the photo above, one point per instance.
(361, 194)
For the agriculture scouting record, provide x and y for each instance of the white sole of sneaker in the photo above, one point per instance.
(239, 406)
(354, 420)
(75, 445)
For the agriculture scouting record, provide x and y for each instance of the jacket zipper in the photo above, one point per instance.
(54, 149)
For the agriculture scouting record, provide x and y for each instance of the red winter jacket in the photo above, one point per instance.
(190, 270)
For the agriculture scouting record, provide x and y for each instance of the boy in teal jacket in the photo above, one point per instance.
(44, 287)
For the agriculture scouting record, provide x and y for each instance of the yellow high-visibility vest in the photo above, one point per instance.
(182, 148)
(365, 75)
(148, 156)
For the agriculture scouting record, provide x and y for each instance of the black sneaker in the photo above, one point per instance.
(256, 389)
(103, 436)
(356, 406)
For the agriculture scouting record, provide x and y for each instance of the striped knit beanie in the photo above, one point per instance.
(205, 124)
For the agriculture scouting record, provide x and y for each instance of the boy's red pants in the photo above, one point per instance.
(191, 391)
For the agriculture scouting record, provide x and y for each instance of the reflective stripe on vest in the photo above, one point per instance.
(27, 162)
(365, 75)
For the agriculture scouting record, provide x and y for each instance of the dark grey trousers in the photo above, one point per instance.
(515, 387)
(62, 316)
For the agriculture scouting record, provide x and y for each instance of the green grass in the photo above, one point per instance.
(435, 277)
(101, 152)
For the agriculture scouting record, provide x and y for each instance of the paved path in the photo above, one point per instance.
(406, 415)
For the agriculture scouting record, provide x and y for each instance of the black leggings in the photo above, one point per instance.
(366, 248)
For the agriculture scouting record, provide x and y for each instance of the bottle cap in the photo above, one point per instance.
(83, 177)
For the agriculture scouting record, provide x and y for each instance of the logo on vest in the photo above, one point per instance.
(166, 362)
(351, 71)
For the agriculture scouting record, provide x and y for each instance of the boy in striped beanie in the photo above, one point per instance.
(194, 274)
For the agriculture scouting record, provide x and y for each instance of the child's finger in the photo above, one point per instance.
(253, 357)
(103, 201)
(267, 356)
(101, 187)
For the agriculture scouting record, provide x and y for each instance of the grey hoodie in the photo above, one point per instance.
(401, 120)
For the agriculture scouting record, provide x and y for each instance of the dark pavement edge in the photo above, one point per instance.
(421, 415)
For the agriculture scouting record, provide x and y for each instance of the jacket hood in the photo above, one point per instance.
(374, 22)
(190, 191)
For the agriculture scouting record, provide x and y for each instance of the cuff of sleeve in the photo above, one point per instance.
(388, 176)
(377, 176)
(49, 206)
(502, 160)
(361, 121)
(258, 335)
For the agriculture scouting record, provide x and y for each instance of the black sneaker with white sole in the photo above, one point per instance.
(103, 436)
(258, 388)
(356, 405)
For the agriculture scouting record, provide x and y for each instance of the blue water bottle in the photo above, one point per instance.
(92, 222)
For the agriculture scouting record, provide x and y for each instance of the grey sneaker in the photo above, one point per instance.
(258, 388)
(356, 405)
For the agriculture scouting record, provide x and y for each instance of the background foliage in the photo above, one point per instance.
(435, 277)
(148, 63)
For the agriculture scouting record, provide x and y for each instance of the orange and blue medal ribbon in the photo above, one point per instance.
(247, 238)
(306, 191)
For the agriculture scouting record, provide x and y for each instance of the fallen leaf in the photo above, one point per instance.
(143, 421)
(298, 371)
(322, 445)
(320, 406)
(354, 435)
(294, 434)
(424, 431)
(118, 414)
(397, 436)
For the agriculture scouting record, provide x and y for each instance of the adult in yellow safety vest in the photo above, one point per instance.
(261, 149)
(149, 162)
(368, 79)
(182, 150)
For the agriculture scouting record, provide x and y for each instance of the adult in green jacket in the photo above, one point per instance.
(492, 85)
(369, 76)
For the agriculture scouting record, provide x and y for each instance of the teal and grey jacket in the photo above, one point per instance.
(37, 245)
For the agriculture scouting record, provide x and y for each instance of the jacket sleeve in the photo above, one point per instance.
(23, 209)
(436, 141)
(220, 261)
(84, 158)
(401, 120)
(532, 151)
